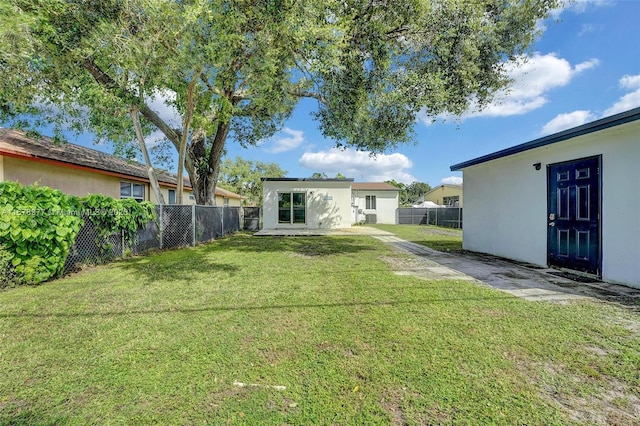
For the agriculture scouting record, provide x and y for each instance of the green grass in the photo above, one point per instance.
(435, 237)
(161, 339)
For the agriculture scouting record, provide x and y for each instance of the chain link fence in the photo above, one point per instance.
(450, 217)
(176, 226)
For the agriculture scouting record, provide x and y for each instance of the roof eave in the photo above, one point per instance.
(594, 126)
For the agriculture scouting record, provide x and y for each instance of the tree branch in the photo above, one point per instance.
(110, 84)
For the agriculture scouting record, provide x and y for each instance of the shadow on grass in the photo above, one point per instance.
(303, 245)
(179, 264)
(28, 418)
(249, 308)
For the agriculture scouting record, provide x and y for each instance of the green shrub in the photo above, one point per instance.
(111, 216)
(7, 271)
(37, 228)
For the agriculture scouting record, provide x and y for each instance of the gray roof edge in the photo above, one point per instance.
(285, 179)
(594, 126)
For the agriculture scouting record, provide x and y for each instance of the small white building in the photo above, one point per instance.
(568, 200)
(374, 202)
(308, 203)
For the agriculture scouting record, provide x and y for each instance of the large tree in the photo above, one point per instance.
(236, 69)
(244, 177)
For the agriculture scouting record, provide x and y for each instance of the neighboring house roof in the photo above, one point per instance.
(448, 185)
(15, 143)
(594, 126)
(285, 179)
(374, 186)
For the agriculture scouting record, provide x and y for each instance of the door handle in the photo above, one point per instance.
(552, 224)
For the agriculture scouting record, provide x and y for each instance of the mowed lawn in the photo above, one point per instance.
(300, 331)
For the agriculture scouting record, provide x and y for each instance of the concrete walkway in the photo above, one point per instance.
(527, 281)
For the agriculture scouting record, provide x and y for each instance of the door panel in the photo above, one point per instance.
(573, 239)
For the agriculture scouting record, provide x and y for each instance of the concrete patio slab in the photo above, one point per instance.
(526, 281)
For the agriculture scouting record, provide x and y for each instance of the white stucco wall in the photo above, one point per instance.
(505, 210)
(328, 203)
(386, 206)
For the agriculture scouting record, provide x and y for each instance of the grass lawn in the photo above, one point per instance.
(318, 330)
(435, 237)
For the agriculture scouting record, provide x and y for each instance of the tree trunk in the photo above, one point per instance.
(150, 171)
(202, 168)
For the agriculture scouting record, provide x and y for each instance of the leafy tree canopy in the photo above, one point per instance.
(237, 69)
(410, 194)
(244, 177)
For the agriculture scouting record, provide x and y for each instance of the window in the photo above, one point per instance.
(226, 202)
(292, 207)
(370, 202)
(132, 190)
(172, 196)
(453, 201)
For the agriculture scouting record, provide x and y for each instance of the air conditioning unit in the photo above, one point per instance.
(371, 218)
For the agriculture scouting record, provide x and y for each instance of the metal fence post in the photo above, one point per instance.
(161, 225)
(193, 225)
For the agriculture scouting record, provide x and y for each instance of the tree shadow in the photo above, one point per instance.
(268, 307)
(178, 264)
(28, 418)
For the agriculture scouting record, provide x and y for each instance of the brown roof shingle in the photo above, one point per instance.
(16, 143)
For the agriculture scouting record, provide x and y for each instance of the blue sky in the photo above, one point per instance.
(585, 66)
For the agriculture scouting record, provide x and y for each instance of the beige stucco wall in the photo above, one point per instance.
(233, 202)
(386, 206)
(328, 204)
(68, 180)
(505, 209)
(165, 194)
(73, 181)
(437, 195)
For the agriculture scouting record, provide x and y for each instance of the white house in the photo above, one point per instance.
(308, 203)
(568, 200)
(374, 202)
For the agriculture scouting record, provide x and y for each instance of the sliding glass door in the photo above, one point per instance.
(291, 207)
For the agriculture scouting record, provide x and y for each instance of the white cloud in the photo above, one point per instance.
(630, 82)
(626, 102)
(162, 103)
(588, 28)
(286, 140)
(567, 121)
(452, 180)
(360, 165)
(578, 6)
(533, 77)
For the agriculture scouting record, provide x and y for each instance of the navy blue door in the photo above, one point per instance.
(573, 240)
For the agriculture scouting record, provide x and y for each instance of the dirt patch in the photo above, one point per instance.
(407, 263)
(392, 404)
(614, 404)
